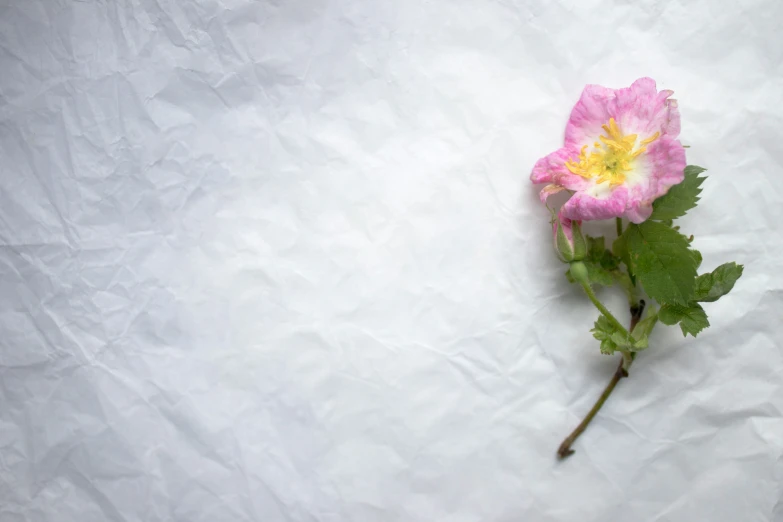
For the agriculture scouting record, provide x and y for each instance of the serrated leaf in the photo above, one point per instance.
(600, 255)
(611, 338)
(603, 331)
(599, 262)
(599, 275)
(697, 257)
(595, 246)
(620, 247)
(620, 251)
(661, 259)
(620, 339)
(681, 197)
(595, 273)
(711, 287)
(692, 318)
(644, 327)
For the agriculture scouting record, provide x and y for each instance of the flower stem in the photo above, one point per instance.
(619, 224)
(601, 308)
(565, 448)
(622, 371)
(636, 313)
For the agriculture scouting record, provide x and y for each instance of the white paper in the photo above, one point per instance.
(281, 261)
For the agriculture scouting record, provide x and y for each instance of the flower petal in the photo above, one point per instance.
(667, 157)
(641, 109)
(549, 190)
(585, 207)
(551, 169)
(550, 166)
(588, 115)
(657, 170)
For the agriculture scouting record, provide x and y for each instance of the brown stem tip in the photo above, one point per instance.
(565, 448)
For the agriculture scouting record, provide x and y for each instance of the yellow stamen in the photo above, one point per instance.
(612, 144)
(650, 139)
(612, 157)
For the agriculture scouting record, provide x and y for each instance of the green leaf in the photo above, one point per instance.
(620, 251)
(599, 275)
(711, 287)
(625, 281)
(620, 339)
(613, 339)
(595, 246)
(697, 257)
(620, 247)
(603, 331)
(661, 259)
(681, 197)
(599, 261)
(599, 254)
(692, 318)
(644, 327)
(595, 273)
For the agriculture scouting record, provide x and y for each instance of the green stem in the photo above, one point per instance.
(637, 311)
(622, 371)
(628, 287)
(618, 222)
(601, 308)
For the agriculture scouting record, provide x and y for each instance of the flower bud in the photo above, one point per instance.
(570, 244)
(579, 272)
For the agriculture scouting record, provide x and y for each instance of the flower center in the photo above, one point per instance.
(610, 159)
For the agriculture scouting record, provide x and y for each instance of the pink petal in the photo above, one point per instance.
(584, 207)
(550, 166)
(638, 211)
(638, 109)
(655, 171)
(549, 190)
(641, 109)
(665, 163)
(552, 169)
(567, 225)
(588, 115)
(667, 156)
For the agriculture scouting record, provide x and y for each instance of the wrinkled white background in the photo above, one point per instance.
(280, 261)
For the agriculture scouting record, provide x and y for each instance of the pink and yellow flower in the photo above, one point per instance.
(621, 153)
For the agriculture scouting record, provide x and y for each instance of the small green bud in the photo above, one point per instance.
(579, 272)
(570, 244)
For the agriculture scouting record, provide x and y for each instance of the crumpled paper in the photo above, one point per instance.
(281, 261)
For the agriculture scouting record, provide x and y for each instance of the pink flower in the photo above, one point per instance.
(621, 153)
